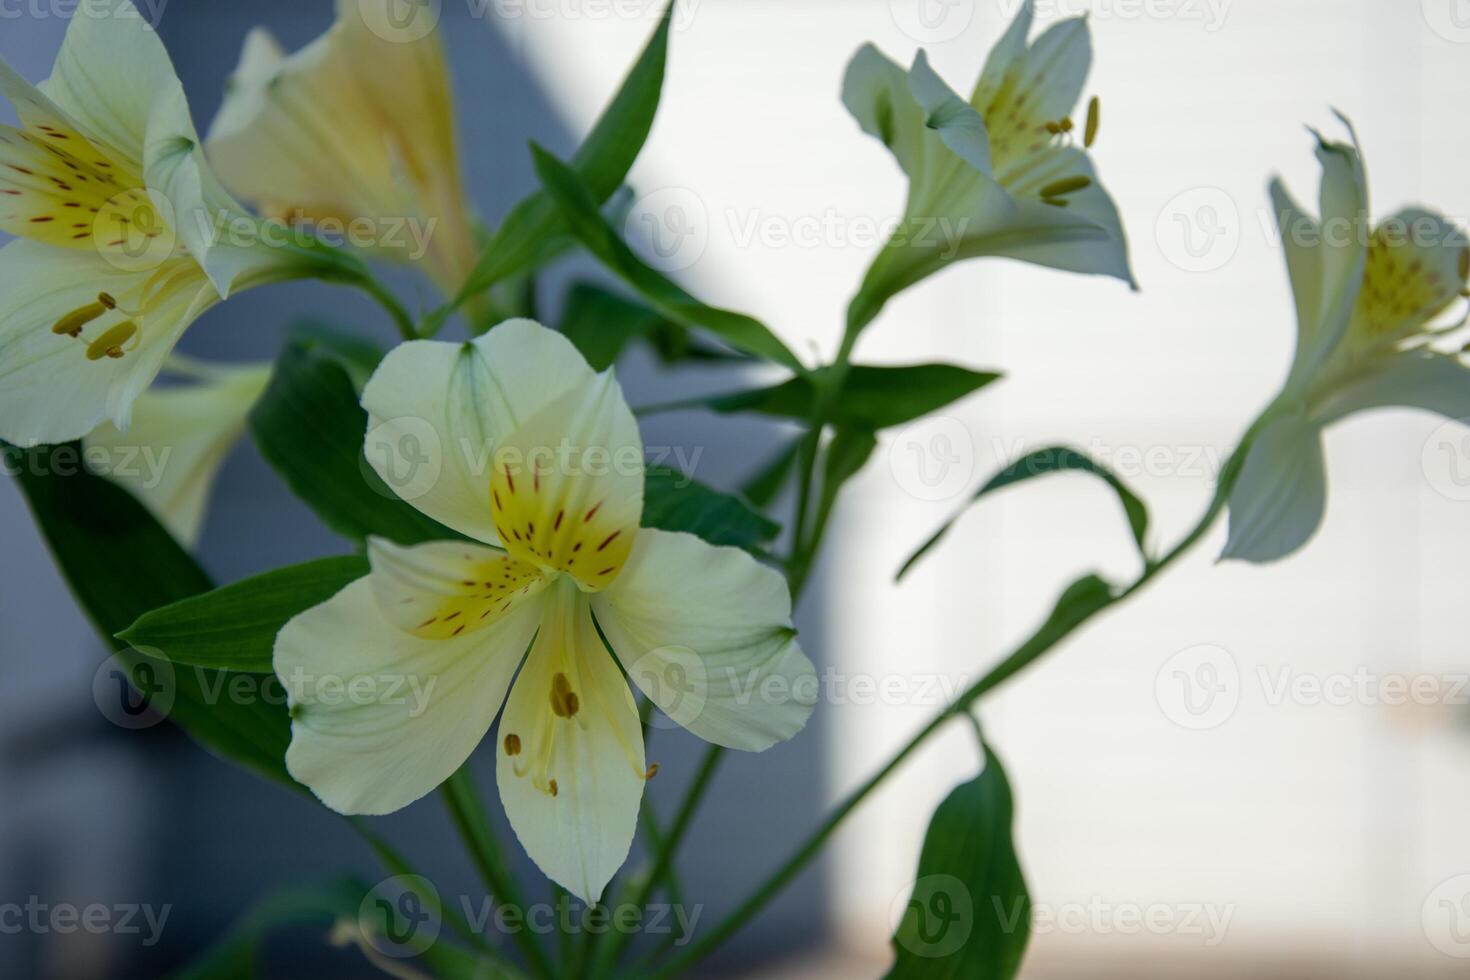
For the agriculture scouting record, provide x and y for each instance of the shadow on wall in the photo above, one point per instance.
(148, 821)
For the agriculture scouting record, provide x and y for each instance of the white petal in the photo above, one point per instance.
(567, 488)
(1301, 237)
(956, 122)
(49, 391)
(1005, 57)
(178, 439)
(446, 589)
(1281, 494)
(454, 403)
(876, 91)
(706, 633)
(1343, 248)
(571, 771)
(109, 72)
(1434, 382)
(380, 718)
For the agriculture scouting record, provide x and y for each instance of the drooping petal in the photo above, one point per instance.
(570, 763)
(446, 589)
(456, 402)
(178, 439)
(1279, 499)
(380, 718)
(705, 632)
(53, 387)
(1437, 383)
(567, 487)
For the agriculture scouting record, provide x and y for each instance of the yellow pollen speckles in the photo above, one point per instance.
(481, 594)
(1404, 288)
(512, 744)
(564, 702)
(110, 344)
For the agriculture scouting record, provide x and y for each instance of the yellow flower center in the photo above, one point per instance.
(1403, 290)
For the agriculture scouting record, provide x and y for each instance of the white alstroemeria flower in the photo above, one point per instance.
(542, 466)
(178, 440)
(1367, 300)
(1001, 174)
(119, 225)
(356, 128)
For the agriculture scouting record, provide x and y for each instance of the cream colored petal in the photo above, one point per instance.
(453, 403)
(1301, 238)
(110, 71)
(178, 439)
(1434, 382)
(569, 754)
(1005, 58)
(1343, 249)
(445, 589)
(567, 487)
(705, 632)
(380, 718)
(50, 390)
(1281, 495)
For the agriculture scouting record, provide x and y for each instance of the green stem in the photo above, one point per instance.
(1024, 655)
(609, 951)
(465, 808)
(389, 303)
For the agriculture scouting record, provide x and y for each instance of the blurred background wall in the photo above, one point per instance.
(1185, 801)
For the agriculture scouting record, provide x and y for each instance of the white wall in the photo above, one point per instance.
(1320, 830)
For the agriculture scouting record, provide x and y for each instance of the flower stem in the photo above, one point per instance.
(1024, 655)
(468, 814)
(390, 305)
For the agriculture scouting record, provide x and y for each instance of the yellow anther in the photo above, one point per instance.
(651, 771)
(1055, 202)
(110, 344)
(551, 788)
(1053, 128)
(564, 702)
(106, 300)
(71, 325)
(512, 744)
(1066, 124)
(1066, 185)
(1094, 118)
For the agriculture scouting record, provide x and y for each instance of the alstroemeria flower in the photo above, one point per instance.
(125, 236)
(178, 440)
(1001, 174)
(1368, 301)
(356, 128)
(539, 461)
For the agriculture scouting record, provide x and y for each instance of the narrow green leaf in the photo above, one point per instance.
(1057, 459)
(235, 627)
(872, 397)
(578, 206)
(529, 234)
(674, 502)
(359, 357)
(969, 917)
(848, 452)
(602, 325)
(120, 564)
(310, 427)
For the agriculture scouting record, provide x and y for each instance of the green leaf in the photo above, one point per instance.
(310, 427)
(969, 916)
(578, 206)
(235, 627)
(529, 234)
(674, 502)
(872, 397)
(602, 325)
(1057, 459)
(120, 564)
(763, 487)
(360, 358)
